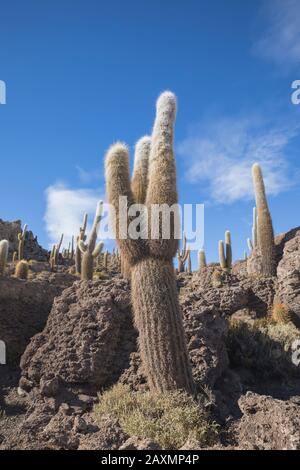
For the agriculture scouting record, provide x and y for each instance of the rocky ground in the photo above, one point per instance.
(68, 339)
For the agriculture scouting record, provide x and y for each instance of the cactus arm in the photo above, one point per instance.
(118, 185)
(139, 181)
(97, 249)
(162, 175)
(94, 231)
(82, 246)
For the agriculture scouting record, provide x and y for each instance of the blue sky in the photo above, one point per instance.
(83, 74)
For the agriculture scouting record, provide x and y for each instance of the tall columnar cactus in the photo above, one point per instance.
(139, 181)
(182, 255)
(81, 237)
(228, 249)
(3, 255)
(21, 238)
(21, 271)
(154, 295)
(90, 250)
(264, 225)
(202, 259)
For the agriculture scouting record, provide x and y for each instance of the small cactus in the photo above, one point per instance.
(21, 238)
(21, 271)
(189, 263)
(90, 250)
(14, 257)
(202, 259)
(3, 255)
(264, 225)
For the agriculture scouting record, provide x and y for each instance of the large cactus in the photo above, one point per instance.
(21, 238)
(154, 295)
(90, 250)
(264, 225)
(3, 255)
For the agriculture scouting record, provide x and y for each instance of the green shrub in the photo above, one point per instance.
(168, 418)
(263, 346)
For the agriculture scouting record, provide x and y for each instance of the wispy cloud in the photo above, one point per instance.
(281, 40)
(65, 208)
(221, 153)
(87, 177)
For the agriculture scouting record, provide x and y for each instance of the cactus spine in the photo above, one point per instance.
(154, 295)
(90, 250)
(202, 259)
(3, 255)
(21, 271)
(81, 237)
(21, 238)
(264, 224)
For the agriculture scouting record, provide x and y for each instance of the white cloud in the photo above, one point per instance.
(221, 153)
(281, 41)
(65, 208)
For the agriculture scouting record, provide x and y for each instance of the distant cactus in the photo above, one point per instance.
(245, 255)
(202, 259)
(225, 253)
(139, 181)
(222, 258)
(21, 238)
(189, 263)
(90, 250)
(154, 295)
(81, 237)
(3, 255)
(14, 257)
(57, 249)
(182, 255)
(105, 259)
(228, 249)
(264, 228)
(21, 271)
(250, 244)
